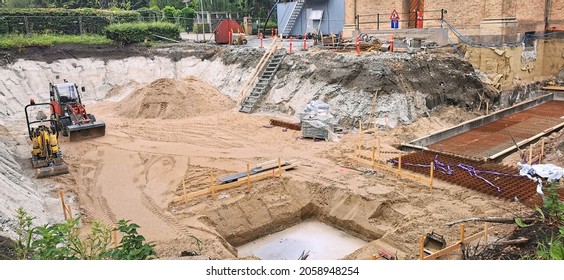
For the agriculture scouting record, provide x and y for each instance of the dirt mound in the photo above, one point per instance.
(174, 99)
(554, 148)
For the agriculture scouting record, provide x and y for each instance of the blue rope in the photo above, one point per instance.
(450, 41)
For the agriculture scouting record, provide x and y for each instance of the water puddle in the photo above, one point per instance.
(322, 241)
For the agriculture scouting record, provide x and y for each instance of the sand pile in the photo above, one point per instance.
(174, 99)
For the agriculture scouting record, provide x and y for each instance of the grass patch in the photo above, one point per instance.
(42, 40)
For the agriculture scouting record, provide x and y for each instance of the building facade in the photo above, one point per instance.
(298, 17)
(492, 20)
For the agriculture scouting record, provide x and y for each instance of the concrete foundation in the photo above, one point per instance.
(424, 142)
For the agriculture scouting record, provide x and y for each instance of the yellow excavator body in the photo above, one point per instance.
(46, 156)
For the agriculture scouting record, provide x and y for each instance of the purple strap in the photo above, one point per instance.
(475, 172)
(447, 169)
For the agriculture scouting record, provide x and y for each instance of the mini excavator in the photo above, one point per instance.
(46, 157)
(73, 120)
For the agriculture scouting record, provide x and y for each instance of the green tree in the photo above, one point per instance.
(138, 4)
(186, 18)
(169, 14)
(178, 4)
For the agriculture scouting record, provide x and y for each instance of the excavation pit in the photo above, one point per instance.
(320, 241)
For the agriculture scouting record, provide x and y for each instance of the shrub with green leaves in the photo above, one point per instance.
(554, 207)
(63, 241)
(61, 21)
(186, 18)
(169, 14)
(197, 28)
(129, 33)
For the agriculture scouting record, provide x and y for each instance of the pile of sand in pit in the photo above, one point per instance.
(174, 99)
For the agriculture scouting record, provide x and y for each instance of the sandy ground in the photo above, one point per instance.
(148, 155)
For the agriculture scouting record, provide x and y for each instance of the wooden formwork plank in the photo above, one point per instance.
(561, 88)
(378, 165)
(242, 181)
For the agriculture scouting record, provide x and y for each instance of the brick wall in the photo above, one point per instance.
(531, 15)
(459, 13)
(557, 13)
(465, 14)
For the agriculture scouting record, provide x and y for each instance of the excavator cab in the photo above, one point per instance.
(74, 121)
(43, 132)
(67, 93)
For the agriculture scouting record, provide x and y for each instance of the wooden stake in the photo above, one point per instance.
(431, 175)
(541, 151)
(114, 237)
(379, 150)
(373, 157)
(248, 177)
(421, 245)
(530, 160)
(461, 233)
(69, 210)
(63, 203)
(212, 179)
(487, 107)
(360, 126)
(279, 168)
(399, 165)
(486, 234)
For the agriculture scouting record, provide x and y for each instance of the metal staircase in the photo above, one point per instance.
(248, 105)
(293, 18)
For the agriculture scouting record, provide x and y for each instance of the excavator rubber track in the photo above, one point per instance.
(79, 132)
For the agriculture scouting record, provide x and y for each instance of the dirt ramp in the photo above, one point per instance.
(174, 99)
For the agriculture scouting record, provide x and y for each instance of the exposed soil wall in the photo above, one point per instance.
(397, 88)
(508, 67)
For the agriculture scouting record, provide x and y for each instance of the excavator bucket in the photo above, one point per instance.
(78, 132)
(51, 171)
(433, 242)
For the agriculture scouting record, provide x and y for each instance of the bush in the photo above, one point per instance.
(61, 21)
(186, 18)
(62, 241)
(271, 24)
(129, 33)
(553, 249)
(169, 14)
(198, 27)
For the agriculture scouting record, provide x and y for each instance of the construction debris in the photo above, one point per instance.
(433, 243)
(536, 172)
(317, 122)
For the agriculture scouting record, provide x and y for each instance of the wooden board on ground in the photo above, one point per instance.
(561, 88)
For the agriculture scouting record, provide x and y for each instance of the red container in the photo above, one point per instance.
(223, 29)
